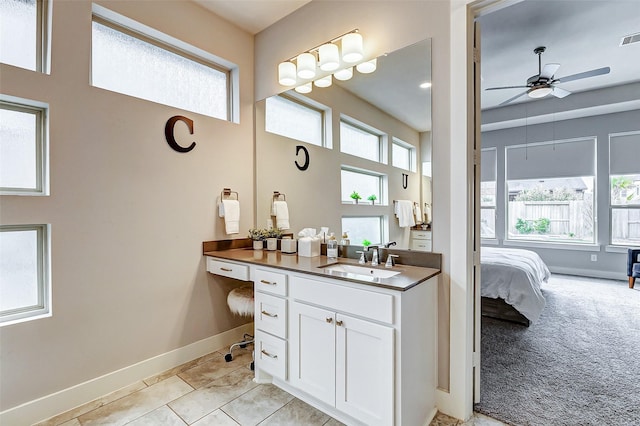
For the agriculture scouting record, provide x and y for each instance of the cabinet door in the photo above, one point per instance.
(312, 351)
(365, 370)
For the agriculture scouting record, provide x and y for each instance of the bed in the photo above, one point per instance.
(510, 284)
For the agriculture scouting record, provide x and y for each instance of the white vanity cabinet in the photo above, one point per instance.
(420, 240)
(363, 354)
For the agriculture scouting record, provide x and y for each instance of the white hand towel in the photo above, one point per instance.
(282, 214)
(404, 212)
(417, 211)
(231, 214)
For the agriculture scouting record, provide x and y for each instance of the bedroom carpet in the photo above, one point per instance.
(578, 365)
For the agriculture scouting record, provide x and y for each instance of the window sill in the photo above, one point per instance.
(489, 241)
(617, 249)
(555, 246)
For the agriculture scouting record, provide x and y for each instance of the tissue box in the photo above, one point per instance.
(309, 247)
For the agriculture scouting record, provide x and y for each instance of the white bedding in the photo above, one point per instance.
(514, 275)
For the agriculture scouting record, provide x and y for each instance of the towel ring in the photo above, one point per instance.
(227, 193)
(277, 195)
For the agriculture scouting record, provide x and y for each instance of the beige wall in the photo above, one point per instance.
(128, 214)
(314, 195)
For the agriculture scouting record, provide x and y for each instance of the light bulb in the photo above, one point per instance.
(367, 67)
(344, 74)
(352, 50)
(324, 81)
(329, 57)
(287, 73)
(304, 88)
(306, 65)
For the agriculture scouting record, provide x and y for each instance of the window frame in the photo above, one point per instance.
(41, 112)
(161, 40)
(564, 244)
(411, 153)
(613, 207)
(494, 207)
(323, 111)
(382, 184)
(43, 309)
(43, 38)
(363, 127)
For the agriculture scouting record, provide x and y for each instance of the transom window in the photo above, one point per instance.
(360, 140)
(294, 119)
(137, 63)
(366, 184)
(403, 155)
(23, 33)
(24, 268)
(551, 191)
(22, 150)
(624, 180)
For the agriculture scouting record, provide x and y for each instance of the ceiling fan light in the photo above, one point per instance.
(352, 50)
(304, 88)
(306, 65)
(367, 67)
(287, 73)
(329, 57)
(344, 75)
(324, 81)
(539, 92)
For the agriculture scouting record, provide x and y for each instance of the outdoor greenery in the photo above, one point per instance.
(538, 193)
(539, 226)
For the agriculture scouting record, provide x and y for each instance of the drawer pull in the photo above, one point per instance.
(269, 314)
(329, 320)
(339, 323)
(226, 269)
(268, 354)
(268, 282)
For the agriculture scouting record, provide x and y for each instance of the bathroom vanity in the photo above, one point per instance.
(354, 342)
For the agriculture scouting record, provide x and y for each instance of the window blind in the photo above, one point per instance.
(571, 158)
(624, 154)
(488, 167)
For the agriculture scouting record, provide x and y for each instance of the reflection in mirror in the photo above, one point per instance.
(370, 135)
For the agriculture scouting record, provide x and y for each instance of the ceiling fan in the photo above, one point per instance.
(544, 83)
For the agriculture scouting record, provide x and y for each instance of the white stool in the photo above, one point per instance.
(241, 302)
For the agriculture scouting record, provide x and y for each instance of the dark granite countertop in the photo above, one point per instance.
(408, 277)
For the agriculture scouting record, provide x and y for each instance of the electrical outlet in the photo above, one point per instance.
(594, 257)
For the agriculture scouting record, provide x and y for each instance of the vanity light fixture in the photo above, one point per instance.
(425, 85)
(314, 64)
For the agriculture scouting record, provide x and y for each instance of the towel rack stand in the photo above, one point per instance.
(227, 193)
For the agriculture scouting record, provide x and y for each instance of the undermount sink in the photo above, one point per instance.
(359, 272)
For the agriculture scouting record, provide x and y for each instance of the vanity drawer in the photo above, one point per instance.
(271, 354)
(228, 269)
(271, 314)
(423, 245)
(421, 235)
(364, 303)
(270, 282)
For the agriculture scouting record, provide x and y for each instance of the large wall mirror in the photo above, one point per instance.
(315, 171)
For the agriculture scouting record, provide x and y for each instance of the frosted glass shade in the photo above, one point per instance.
(304, 88)
(367, 67)
(540, 92)
(306, 65)
(324, 81)
(287, 73)
(344, 74)
(329, 57)
(352, 50)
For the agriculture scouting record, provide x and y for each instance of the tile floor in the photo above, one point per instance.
(209, 391)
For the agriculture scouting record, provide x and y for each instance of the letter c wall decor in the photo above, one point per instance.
(168, 133)
(305, 166)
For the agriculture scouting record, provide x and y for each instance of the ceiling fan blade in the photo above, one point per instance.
(585, 74)
(549, 70)
(560, 93)
(512, 98)
(506, 87)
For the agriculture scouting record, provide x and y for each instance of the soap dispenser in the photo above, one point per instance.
(332, 247)
(345, 239)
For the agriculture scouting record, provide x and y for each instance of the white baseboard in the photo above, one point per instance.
(67, 399)
(609, 275)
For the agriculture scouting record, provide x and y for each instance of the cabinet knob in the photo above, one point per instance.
(329, 320)
(339, 323)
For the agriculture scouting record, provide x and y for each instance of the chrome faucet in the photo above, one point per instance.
(389, 244)
(389, 263)
(375, 256)
(362, 259)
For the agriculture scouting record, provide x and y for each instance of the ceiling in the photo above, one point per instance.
(580, 35)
